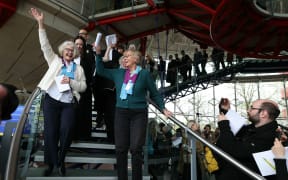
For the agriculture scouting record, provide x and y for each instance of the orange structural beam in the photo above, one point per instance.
(151, 3)
(188, 11)
(203, 6)
(189, 19)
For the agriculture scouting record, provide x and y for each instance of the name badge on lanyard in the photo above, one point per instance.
(68, 70)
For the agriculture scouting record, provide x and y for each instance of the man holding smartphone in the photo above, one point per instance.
(256, 137)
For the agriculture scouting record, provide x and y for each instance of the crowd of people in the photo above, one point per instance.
(119, 81)
(186, 67)
(120, 98)
(262, 134)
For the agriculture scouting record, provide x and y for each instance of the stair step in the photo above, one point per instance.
(92, 145)
(82, 158)
(99, 134)
(77, 174)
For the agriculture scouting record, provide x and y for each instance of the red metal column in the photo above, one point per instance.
(151, 3)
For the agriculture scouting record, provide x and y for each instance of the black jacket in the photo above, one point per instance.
(247, 141)
(281, 169)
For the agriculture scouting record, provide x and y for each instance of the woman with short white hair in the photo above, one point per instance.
(58, 108)
(132, 86)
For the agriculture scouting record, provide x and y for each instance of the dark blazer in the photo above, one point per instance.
(247, 141)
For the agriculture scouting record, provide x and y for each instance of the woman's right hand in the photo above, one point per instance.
(38, 16)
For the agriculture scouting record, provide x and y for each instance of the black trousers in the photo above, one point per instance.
(108, 103)
(84, 116)
(59, 121)
(130, 132)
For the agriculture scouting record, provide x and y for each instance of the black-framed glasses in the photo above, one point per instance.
(252, 108)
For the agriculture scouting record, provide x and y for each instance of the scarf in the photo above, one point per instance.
(128, 83)
(68, 70)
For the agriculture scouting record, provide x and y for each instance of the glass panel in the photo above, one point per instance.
(32, 137)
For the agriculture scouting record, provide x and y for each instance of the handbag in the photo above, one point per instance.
(210, 162)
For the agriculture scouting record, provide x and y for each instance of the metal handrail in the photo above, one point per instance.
(220, 152)
(11, 169)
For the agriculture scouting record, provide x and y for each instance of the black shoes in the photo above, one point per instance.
(48, 171)
(62, 170)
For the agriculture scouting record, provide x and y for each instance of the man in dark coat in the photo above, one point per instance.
(8, 101)
(256, 137)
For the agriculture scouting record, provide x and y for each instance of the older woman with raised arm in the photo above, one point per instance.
(59, 115)
(131, 116)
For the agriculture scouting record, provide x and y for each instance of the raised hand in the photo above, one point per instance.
(38, 16)
(224, 105)
(278, 149)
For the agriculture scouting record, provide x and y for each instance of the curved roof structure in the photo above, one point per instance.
(249, 28)
(240, 27)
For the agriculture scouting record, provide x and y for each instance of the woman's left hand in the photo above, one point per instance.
(278, 149)
(167, 113)
(65, 80)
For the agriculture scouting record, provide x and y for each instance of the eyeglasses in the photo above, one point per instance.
(82, 33)
(128, 55)
(69, 50)
(252, 108)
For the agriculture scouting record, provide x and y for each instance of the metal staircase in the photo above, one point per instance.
(85, 159)
(209, 80)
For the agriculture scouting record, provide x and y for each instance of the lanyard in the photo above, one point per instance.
(68, 70)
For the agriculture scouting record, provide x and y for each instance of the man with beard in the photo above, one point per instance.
(256, 137)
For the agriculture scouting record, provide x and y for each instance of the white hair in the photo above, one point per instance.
(64, 45)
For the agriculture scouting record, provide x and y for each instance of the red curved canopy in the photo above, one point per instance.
(235, 26)
(7, 9)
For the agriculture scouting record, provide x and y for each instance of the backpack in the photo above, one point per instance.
(210, 162)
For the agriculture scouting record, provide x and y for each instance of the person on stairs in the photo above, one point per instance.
(131, 116)
(62, 83)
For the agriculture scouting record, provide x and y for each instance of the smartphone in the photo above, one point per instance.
(223, 101)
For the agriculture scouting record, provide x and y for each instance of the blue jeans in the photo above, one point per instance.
(130, 132)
